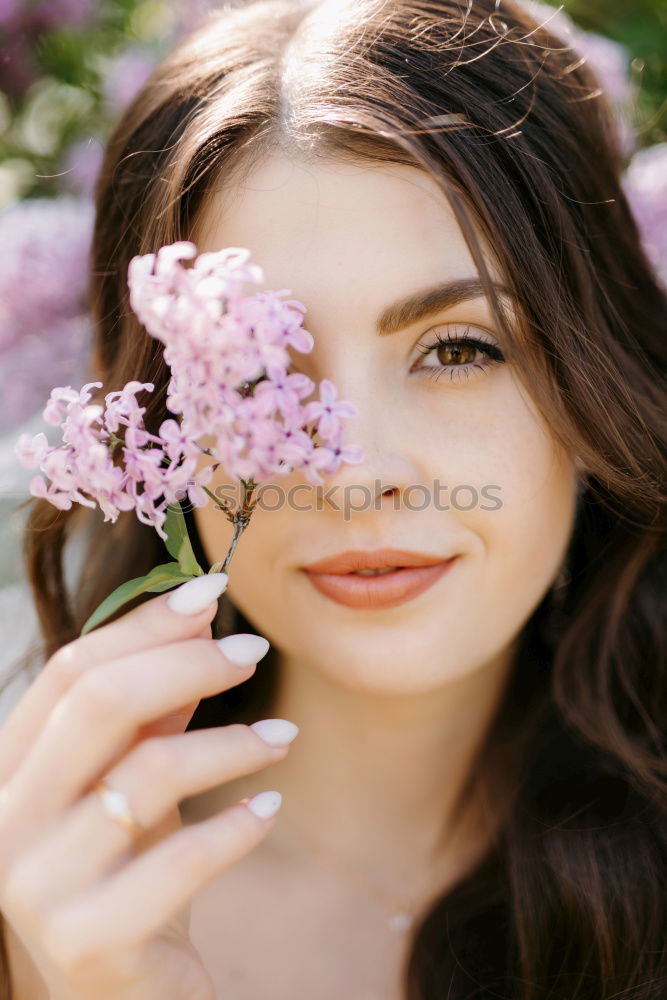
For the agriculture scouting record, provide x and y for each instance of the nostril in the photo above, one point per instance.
(387, 490)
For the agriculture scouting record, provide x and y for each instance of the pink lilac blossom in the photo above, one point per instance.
(229, 359)
(645, 185)
(83, 470)
(44, 324)
(328, 409)
(235, 341)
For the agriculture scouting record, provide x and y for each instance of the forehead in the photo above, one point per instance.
(375, 231)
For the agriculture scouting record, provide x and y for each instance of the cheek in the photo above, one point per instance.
(535, 519)
(525, 539)
(485, 437)
(491, 439)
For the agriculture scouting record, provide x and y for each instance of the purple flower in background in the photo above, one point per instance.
(191, 15)
(57, 13)
(8, 10)
(125, 77)
(44, 324)
(645, 178)
(33, 16)
(18, 67)
(609, 61)
(645, 185)
(23, 21)
(81, 166)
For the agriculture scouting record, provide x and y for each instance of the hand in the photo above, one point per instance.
(100, 917)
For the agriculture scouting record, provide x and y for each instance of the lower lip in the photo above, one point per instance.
(384, 591)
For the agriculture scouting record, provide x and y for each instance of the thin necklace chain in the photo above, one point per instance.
(402, 912)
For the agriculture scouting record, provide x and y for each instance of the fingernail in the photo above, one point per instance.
(243, 648)
(275, 732)
(195, 595)
(265, 804)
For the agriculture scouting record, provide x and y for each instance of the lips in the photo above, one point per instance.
(336, 578)
(349, 562)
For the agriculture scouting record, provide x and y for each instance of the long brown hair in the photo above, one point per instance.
(506, 119)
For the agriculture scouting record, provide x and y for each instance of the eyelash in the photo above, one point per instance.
(493, 356)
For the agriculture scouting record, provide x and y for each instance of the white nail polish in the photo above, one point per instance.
(243, 648)
(265, 804)
(196, 594)
(275, 732)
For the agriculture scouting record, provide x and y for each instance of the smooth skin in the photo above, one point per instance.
(391, 703)
(97, 918)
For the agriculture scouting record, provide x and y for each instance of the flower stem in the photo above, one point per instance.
(240, 520)
(238, 528)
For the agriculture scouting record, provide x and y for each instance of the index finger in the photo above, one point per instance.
(180, 614)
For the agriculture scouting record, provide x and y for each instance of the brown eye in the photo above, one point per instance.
(459, 354)
(453, 354)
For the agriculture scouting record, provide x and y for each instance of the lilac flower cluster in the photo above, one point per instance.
(229, 359)
(84, 464)
(230, 378)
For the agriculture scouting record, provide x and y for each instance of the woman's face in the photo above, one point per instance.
(476, 471)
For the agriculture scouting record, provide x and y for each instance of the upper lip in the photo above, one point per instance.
(348, 562)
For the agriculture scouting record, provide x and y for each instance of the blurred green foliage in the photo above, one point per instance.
(641, 26)
(52, 81)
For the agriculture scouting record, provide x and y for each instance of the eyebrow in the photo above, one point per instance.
(429, 301)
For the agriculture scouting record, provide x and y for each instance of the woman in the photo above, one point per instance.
(475, 805)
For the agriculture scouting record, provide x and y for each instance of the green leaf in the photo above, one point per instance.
(159, 579)
(178, 542)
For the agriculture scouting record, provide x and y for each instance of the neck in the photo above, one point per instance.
(372, 780)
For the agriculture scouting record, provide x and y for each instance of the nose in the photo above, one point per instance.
(388, 467)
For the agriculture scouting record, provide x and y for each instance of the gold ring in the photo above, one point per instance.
(117, 807)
